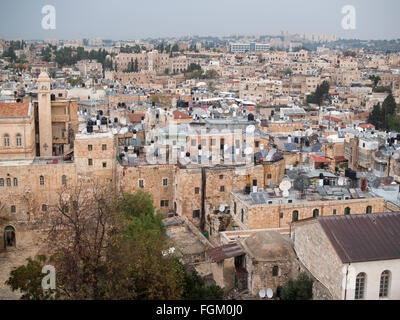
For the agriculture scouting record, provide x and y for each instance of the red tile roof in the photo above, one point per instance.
(367, 126)
(319, 159)
(225, 252)
(340, 159)
(180, 115)
(14, 110)
(333, 119)
(136, 117)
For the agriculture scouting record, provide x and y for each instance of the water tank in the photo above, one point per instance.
(89, 129)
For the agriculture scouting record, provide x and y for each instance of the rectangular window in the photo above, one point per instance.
(104, 164)
(164, 203)
(90, 147)
(194, 141)
(165, 182)
(141, 183)
(213, 142)
(90, 162)
(196, 214)
(104, 147)
(196, 190)
(269, 176)
(222, 189)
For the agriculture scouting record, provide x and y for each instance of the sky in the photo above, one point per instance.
(133, 19)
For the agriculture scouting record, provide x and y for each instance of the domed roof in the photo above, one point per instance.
(44, 76)
(268, 246)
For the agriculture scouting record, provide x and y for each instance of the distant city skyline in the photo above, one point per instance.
(129, 20)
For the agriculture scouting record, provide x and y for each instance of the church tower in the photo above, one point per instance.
(45, 128)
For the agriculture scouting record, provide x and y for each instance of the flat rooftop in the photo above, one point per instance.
(273, 196)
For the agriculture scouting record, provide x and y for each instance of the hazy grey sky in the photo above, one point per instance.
(133, 19)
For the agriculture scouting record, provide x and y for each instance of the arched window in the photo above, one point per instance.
(44, 207)
(15, 182)
(1, 182)
(234, 207)
(242, 214)
(64, 180)
(41, 180)
(9, 237)
(13, 209)
(347, 211)
(19, 140)
(8, 182)
(384, 285)
(295, 216)
(6, 140)
(275, 271)
(315, 213)
(369, 210)
(360, 286)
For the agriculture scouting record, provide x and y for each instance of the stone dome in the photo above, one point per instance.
(44, 76)
(268, 246)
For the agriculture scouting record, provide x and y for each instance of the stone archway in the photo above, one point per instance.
(10, 240)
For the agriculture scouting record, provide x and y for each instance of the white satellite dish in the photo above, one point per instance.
(250, 129)
(285, 185)
(285, 194)
(270, 293)
(262, 294)
(221, 208)
(248, 151)
(341, 181)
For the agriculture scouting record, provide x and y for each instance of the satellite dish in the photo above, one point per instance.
(248, 151)
(270, 293)
(285, 194)
(262, 294)
(221, 208)
(341, 181)
(285, 185)
(299, 184)
(250, 129)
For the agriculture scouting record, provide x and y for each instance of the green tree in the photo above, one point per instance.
(193, 67)
(375, 80)
(108, 246)
(376, 117)
(298, 289)
(28, 279)
(288, 72)
(197, 289)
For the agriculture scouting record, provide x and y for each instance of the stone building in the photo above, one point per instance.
(17, 131)
(354, 257)
(269, 261)
(270, 209)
